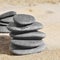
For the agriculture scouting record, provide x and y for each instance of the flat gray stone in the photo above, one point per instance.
(3, 24)
(3, 29)
(35, 26)
(27, 43)
(20, 51)
(23, 19)
(7, 20)
(7, 14)
(29, 36)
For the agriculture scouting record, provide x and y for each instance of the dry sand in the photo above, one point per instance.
(49, 16)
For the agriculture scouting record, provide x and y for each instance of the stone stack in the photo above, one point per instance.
(25, 37)
(5, 19)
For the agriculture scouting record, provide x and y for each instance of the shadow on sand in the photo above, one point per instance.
(4, 45)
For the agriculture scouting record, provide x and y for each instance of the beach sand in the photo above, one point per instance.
(49, 16)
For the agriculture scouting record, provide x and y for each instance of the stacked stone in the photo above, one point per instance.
(25, 37)
(5, 19)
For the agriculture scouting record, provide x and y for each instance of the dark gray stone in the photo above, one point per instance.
(25, 39)
(23, 19)
(35, 26)
(7, 20)
(29, 36)
(20, 51)
(27, 43)
(7, 14)
(3, 29)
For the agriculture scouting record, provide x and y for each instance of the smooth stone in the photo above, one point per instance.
(3, 24)
(20, 51)
(7, 20)
(29, 36)
(7, 14)
(3, 29)
(23, 19)
(35, 26)
(27, 43)
(23, 47)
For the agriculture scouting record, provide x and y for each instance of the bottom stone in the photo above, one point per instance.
(20, 51)
(3, 29)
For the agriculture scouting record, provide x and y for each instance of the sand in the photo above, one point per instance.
(49, 16)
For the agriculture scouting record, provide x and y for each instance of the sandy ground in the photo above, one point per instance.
(49, 16)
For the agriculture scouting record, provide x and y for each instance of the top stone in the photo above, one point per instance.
(7, 14)
(23, 19)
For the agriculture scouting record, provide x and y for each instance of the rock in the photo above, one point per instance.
(34, 26)
(23, 47)
(29, 36)
(3, 29)
(3, 24)
(7, 20)
(27, 43)
(23, 19)
(7, 14)
(20, 51)
(25, 37)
